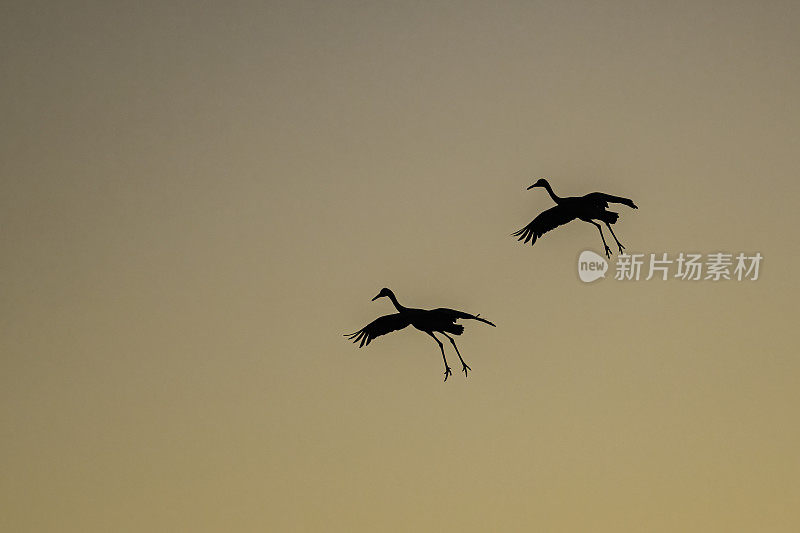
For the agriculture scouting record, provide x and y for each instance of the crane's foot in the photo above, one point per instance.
(620, 247)
(464, 368)
(447, 372)
(608, 251)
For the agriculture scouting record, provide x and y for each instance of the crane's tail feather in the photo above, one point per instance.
(455, 329)
(609, 217)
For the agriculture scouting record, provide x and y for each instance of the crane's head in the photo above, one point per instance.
(540, 183)
(384, 292)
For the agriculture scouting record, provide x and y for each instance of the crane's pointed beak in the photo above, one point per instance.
(378, 296)
(531, 187)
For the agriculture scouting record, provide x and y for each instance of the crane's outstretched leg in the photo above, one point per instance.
(608, 250)
(447, 371)
(619, 244)
(464, 366)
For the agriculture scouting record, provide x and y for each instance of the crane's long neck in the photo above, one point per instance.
(397, 305)
(555, 198)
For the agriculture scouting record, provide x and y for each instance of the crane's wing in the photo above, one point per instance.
(379, 326)
(604, 199)
(453, 315)
(544, 222)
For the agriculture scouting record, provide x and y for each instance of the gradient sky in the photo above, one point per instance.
(199, 198)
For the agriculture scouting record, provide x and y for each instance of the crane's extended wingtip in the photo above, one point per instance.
(478, 317)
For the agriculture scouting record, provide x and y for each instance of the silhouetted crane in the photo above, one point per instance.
(440, 320)
(587, 208)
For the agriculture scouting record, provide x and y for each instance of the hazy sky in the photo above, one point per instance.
(199, 198)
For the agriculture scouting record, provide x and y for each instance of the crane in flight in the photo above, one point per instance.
(441, 320)
(588, 208)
